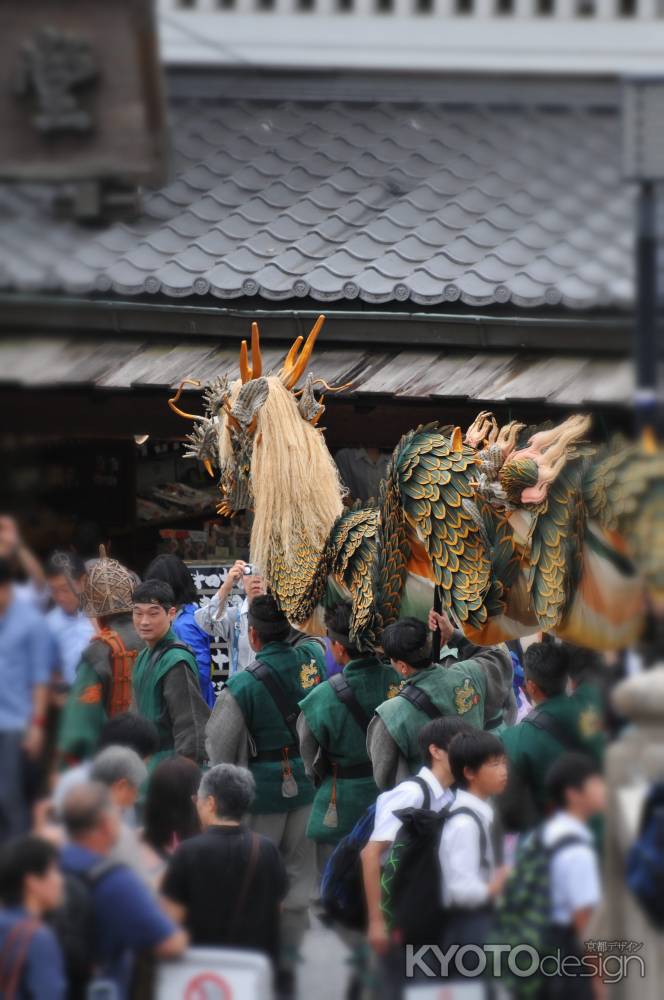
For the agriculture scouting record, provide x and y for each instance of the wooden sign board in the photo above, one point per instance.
(81, 92)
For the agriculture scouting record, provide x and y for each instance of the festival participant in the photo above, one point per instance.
(172, 570)
(127, 921)
(25, 658)
(226, 617)
(258, 708)
(557, 723)
(475, 686)
(165, 680)
(102, 687)
(226, 884)
(31, 887)
(68, 624)
(332, 731)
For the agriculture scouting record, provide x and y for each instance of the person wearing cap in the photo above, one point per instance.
(166, 680)
(102, 684)
(333, 735)
(473, 682)
(253, 724)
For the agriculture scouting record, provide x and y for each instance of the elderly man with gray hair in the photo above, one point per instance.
(226, 884)
(123, 772)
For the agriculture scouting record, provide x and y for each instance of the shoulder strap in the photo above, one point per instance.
(347, 697)
(420, 700)
(465, 811)
(254, 850)
(569, 840)
(289, 710)
(13, 956)
(545, 721)
(426, 791)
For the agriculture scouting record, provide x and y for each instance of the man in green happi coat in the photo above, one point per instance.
(558, 722)
(166, 684)
(473, 682)
(333, 738)
(254, 724)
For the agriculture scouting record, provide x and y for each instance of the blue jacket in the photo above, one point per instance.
(188, 631)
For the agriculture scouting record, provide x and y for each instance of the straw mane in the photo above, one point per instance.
(295, 483)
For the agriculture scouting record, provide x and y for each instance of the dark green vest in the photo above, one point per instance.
(299, 669)
(456, 689)
(532, 751)
(149, 671)
(339, 735)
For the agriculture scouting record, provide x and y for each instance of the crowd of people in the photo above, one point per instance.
(144, 808)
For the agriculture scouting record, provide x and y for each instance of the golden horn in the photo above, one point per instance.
(173, 400)
(295, 363)
(208, 468)
(255, 369)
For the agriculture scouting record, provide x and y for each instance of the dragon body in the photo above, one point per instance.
(521, 529)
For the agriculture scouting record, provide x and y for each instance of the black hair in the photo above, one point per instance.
(130, 730)
(5, 571)
(65, 564)
(409, 640)
(338, 620)
(20, 858)
(170, 811)
(268, 619)
(570, 770)
(545, 663)
(154, 592)
(472, 749)
(170, 569)
(582, 662)
(440, 732)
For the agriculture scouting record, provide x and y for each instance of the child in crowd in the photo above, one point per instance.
(576, 789)
(471, 880)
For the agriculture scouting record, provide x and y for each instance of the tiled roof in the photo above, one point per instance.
(428, 203)
(498, 377)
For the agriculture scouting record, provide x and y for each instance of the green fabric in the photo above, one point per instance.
(299, 669)
(149, 672)
(83, 716)
(338, 733)
(456, 689)
(532, 751)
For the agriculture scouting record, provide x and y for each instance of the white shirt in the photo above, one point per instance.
(575, 878)
(71, 634)
(231, 625)
(465, 878)
(406, 795)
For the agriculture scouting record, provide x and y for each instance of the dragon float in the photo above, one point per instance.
(522, 529)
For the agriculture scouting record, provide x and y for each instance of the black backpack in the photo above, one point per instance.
(74, 925)
(645, 860)
(412, 879)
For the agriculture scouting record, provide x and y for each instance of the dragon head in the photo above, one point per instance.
(223, 438)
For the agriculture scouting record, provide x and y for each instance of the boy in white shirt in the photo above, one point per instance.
(434, 740)
(576, 789)
(471, 880)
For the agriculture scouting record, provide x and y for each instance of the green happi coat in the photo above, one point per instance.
(345, 744)
(152, 666)
(298, 669)
(456, 689)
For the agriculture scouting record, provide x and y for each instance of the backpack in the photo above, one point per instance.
(122, 667)
(341, 886)
(412, 879)
(645, 860)
(522, 915)
(74, 925)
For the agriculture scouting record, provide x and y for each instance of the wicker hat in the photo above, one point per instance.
(108, 588)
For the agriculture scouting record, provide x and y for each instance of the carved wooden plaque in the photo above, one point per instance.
(80, 91)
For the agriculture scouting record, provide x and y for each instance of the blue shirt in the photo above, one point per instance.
(25, 661)
(127, 918)
(43, 976)
(189, 632)
(71, 634)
